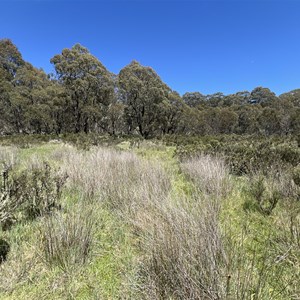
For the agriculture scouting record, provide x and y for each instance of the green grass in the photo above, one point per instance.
(102, 277)
(264, 239)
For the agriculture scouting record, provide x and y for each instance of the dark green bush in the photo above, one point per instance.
(244, 155)
(41, 190)
(30, 193)
(4, 249)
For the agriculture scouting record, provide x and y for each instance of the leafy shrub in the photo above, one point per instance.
(25, 141)
(4, 249)
(10, 198)
(244, 155)
(41, 190)
(296, 176)
(33, 192)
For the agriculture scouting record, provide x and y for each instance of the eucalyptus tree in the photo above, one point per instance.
(10, 61)
(263, 96)
(31, 101)
(172, 114)
(144, 93)
(193, 99)
(89, 88)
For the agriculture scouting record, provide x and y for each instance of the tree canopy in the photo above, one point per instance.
(83, 96)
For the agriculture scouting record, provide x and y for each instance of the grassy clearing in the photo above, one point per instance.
(135, 223)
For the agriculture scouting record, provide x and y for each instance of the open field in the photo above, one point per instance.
(133, 219)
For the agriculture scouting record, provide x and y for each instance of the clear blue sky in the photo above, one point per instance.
(206, 46)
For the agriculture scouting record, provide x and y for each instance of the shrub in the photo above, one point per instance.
(244, 154)
(10, 198)
(33, 192)
(4, 249)
(41, 190)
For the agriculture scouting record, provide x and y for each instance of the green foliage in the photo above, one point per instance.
(89, 88)
(144, 93)
(84, 96)
(296, 176)
(41, 190)
(4, 249)
(31, 193)
(244, 155)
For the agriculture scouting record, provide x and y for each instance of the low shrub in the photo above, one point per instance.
(29, 194)
(244, 155)
(4, 249)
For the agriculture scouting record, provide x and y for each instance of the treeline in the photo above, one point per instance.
(83, 96)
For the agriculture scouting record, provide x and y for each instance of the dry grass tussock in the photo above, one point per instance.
(66, 239)
(120, 179)
(184, 255)
(187, 254)
(9, 156)
(209, 174)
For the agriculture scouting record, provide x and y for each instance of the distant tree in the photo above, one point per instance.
(292, 97)
(89, 88)
(215, 100)
(263, 96)
(143, 92)
(269, 121)
(172, 109)
(240, 98)
(227, 120)
(5, 90)
(30, 101)
(295, 121)
(193, 99)
(248, 119)
(10, 59)
(211, 119)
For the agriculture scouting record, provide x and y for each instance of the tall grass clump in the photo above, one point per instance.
(66, 239)
(184, 252)
(209, 174)
(9, 155)
(189, 252)
(121, 180)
